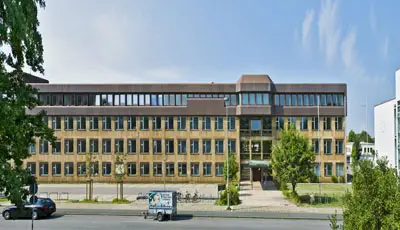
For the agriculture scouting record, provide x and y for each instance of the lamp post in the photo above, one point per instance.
(165, 170)
(226, 100)
(319, 147)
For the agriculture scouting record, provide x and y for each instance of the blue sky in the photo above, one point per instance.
(131, 41)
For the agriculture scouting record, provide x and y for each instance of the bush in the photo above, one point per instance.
(234, 197)
(342, 179)
(334, 179)
(120, 201)
(314, 179)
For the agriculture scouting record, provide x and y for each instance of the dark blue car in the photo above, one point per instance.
(44, 207)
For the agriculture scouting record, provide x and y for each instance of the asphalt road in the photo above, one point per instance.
(121, 223)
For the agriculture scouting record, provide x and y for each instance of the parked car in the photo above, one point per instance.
(43, 207)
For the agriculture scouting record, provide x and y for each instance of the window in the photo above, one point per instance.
(341, 101)
(323, 100)
(81, 123)
(157, 169)
(207, 169)
(56, 123)
(68, 146)
(184, 99)
(169, 123)
(169, 146)
(312, 100)
(160, 99)
(245, 98)
(94, 123)
(194, 169)
(144, 146)
(206, 146)
(44, 146)
(156, 123)
(147, 99)
(81, 146)
(68, 123)
(303, 123)
(328, 146)
(232, 146)
(94, 145)
(144, 123)
(182, 146)
(68, 169)
(172, 99)
(259, 99)
(328, 169)
(122, 100)
(119, 146)
(154, 100)
(131, 123)
(144, 169)
(94, 169)
(182, 169)
(219, 123)
(32, 148)
(231, 123)
(335, 100)
(219, 146)
(327, 123)
(292, 122)
(233, 99)
(294, 100)
(131, 146)
(157, 146)
(181, 123)
(119, 123)
(265, 98)
(94, 99)
(255, 125)
(178, 99)
(314, 123)
(276, 99)
(106, 146)
(338, 123)
(194, 146)
(166, 99)
(131, 168)
(170, 169)
(56, 169)
(280, 122)
(81, 166)
(206, 123)
(339, 169)
(266, 123)
(44, 99)
(339, 147)
(56, 99)
(300, 100)
(317, 170)
(106, 123)
(56, 147)
(135, 99)
(106, 169)
(329, 101)
(219, 169)
(31, 166)
(46, 120)
(43, 169)
(288, 100)
(315, 144)
(252, 99)
(194, 123)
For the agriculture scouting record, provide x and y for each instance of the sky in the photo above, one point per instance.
(313, 41)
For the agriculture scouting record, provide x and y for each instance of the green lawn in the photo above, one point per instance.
(3, 200)
(101, 202)
(325, 188)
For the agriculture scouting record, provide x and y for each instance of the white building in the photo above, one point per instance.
(367, 153)
(386, 123)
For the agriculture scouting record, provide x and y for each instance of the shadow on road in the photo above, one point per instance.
(183, 217)
(245, 195)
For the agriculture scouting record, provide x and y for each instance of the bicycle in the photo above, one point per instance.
(187, 197)
(179, 196)
(195, 197)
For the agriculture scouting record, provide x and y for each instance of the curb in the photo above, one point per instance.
(195, 215)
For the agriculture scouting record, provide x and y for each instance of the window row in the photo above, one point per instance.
(158, 122)
(132, 146)
(183, 169)
(110, 99)
(328, 123)
(308, 99)
(328, 170)
(328, 146)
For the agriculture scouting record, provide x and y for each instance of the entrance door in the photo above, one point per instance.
(256, 174)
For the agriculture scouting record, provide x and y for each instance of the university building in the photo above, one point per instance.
(184, 131)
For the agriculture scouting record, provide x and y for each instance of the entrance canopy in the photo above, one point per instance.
(260, 164)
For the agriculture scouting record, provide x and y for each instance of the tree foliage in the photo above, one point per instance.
(233, 168)
(19, 32)
(292, 158)
(360, 137)
(374, 202)
(356, 151)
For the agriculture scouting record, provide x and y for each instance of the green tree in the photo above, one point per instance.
(374, 202)
(365, 137)
(352, 136)
(292, 158)
(18, 31)
(356, 151)
(233, 168)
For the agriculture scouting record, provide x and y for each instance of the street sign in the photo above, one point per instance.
(33, 188)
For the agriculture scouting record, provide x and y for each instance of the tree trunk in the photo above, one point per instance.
(293, 186)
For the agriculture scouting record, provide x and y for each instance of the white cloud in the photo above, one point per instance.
(372, 19)
(329, 31)
(349, 54)
(385, 47)
(307, 26)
